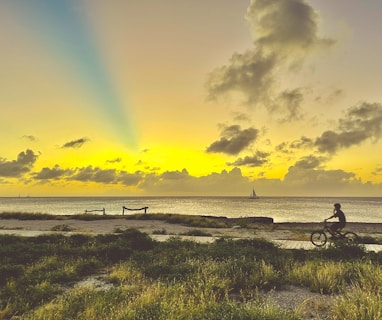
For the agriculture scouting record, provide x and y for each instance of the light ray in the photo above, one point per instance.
(64, 30)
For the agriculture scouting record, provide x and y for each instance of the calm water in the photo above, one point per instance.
(281, 209)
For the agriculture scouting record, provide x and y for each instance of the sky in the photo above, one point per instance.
(186, 98)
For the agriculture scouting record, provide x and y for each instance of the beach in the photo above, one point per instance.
(275, 231)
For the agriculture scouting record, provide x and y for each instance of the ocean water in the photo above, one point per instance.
(281, 209)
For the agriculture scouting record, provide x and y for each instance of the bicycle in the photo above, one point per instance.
(319, 237)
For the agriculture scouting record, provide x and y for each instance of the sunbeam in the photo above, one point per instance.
(64, 30)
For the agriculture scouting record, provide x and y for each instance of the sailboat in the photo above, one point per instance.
(253, 194)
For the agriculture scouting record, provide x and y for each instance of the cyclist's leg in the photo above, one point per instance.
(335, 229)
(332, 229)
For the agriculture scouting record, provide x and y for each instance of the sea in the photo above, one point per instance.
(281, 209)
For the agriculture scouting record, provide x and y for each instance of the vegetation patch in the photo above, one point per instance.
(41, 278)
(63, 228)
(161, 231)
(197, 233)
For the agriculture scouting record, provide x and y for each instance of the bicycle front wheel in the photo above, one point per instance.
(318, 238)
(351, 237)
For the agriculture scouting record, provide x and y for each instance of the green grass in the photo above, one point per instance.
(188, 220)
(197, 233)
(178, 279)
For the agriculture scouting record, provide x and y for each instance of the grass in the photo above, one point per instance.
(178, 279)
(62, 228)
(197, 233)
(183, 219)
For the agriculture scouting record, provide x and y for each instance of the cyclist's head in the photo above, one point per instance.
(337, 206)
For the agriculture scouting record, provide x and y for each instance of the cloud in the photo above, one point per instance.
(16, 168)
(116, 160)
(234, 140)
(181, 182)
(377, 171)
(75, 143)
(130, 179)
(309, 162)
(308, 176)
(47, 173)
(289, 27)
(285, 33)
(105, 176)
(289, 102)
(29, 137)
(90, 174)
(303, 142)
(331, 97)
(257, 160)
(360, 123)
(250, 73)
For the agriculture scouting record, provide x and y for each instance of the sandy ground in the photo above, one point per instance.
(276, 231)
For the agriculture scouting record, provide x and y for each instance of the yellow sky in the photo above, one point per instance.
(190, 98)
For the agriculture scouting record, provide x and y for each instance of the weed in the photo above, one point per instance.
(162, 231)
(197, 233)
(63, 228)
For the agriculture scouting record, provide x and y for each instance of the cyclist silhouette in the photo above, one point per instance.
(336, 226)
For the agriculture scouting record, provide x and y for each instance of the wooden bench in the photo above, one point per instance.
(125, 208)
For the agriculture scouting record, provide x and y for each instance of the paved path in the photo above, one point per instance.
(307, 245)
(285, 244)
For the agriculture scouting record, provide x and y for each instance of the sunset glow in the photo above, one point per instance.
(169, 97)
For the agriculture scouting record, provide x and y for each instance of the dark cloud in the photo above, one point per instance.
(106, 176)
(90, 174)
(16, 168)
(29, 137)
(302, 143)
(289, 27)
(360, 123)
(285, 33)
(130, 179)
(377, 171)
(257, 160)
(175, 175)
(234, 140)
(116, 160)
(309, 162)
(250, 73)
(75, 143)
(308, 176)
(289, 103)
(181, 182)
(283, 147)
(47, 173)
(290, 147)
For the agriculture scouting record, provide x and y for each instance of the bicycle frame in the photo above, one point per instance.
(337, 235)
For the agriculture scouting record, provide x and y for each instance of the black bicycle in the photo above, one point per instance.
(319, 238)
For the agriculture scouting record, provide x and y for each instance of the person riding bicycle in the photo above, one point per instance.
(336, 226)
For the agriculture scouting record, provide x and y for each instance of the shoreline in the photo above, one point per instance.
(273, 231)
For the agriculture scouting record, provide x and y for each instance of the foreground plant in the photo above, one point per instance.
(175, 279)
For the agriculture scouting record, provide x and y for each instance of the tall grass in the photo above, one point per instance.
(158, 300)
(358, 304)
(176, 279)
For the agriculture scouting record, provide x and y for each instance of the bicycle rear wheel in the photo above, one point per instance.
(318, 238)
(351, 237)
